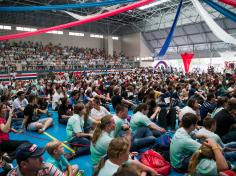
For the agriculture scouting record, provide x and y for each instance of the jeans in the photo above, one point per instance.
(231, 155)
(229, 137)
(142, 138)
(63, 121)
(83, 144)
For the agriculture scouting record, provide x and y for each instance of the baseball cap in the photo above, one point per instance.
(28, 150)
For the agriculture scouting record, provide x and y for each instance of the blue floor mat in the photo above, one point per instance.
(59, 132)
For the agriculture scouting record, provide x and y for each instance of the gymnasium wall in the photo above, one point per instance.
(133, 45)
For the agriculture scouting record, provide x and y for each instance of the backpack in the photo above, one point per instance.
(156, 161)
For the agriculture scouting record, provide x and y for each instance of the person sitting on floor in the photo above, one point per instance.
(183, 145)
(98, 111)
(226, 122)
(30, 162)
(209, 127)
(75, 131)
(56, 151)
(118, 154)
(31, 120)
(101, 139)
(7, 146)
(141, 138)
(64, 111)
(208, 160)
(140, 119)
(19, 104)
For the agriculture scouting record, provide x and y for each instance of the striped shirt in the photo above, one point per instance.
(47, 170)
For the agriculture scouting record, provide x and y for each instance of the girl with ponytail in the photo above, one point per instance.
(118, 154)
(101, 138)
(208, 160)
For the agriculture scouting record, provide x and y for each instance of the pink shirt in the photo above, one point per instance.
(3, 136)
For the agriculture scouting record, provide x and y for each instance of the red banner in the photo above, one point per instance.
(187, 58)
(77, 23)
(229, 2)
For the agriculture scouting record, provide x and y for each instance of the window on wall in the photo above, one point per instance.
(55, 32)
(96, 36)
(25, 29)
(5, 27)
(76, 34)
(115, 38)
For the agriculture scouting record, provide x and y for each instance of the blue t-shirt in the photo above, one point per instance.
(60, 163)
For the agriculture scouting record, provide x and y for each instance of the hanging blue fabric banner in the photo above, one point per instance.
(170, 35)
(63, 7)
(227, 13)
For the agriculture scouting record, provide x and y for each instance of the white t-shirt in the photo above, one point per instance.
(109, 169)
(97, 115)
(19, 104)
(55, 99)
(186, 110)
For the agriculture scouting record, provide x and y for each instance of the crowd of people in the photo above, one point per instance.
(198, 108)
(36, 56)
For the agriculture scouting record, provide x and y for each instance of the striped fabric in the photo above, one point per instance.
(26, 76)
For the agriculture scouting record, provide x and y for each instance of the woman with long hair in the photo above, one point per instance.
(7, 145)
(208, 160)
(64, 111)
(101, 138)
(118, 154)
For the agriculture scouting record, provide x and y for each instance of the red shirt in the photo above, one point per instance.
(3, 136)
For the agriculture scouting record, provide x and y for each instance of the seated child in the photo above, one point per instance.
(56, 152)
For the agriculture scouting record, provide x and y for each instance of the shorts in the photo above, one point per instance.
(32, 126)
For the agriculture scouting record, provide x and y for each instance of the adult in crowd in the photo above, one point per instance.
(75, 131)
(192, 107)
(220, 104)
(30, 162)
(19, 104)
(183, 145)
(209, 128)
(31, 121)
(118, 99)
(141, 138)
(56, 97)
(208, 160)
(101, 139)
(98, 111)
(140, 119)
(226, 123)
(208, 106)
(65, 111)
(7, 145)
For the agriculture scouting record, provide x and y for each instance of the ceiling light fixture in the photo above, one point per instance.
(153, 4)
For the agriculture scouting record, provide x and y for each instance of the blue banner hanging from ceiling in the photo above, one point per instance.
(63, 7)
(170, 35)
(227, 13)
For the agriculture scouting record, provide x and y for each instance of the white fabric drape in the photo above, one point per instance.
(80, 17)
(215, 28)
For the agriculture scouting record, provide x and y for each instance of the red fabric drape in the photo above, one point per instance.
(187, 58)
(77, 23)
(229, 2)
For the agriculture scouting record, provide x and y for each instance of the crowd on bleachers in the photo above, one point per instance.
(36, 56)
(197, 111)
